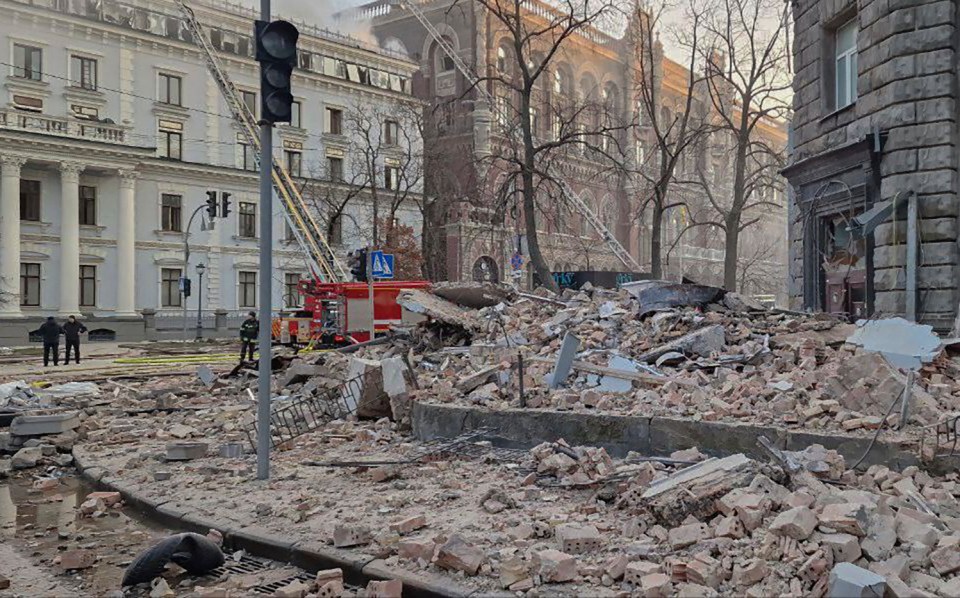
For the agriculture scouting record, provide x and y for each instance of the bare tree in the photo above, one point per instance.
(675, 123)
(385, 167)
(746, 52)
(547, 126)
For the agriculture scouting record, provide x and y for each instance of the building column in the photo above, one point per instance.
(10, 235)
(70, 238)
(126, 247)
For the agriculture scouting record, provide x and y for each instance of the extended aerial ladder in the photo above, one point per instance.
(568, 194)
(323, 264)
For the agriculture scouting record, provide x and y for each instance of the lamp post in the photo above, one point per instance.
(200, 270)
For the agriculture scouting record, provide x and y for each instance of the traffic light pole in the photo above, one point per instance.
(266, 286)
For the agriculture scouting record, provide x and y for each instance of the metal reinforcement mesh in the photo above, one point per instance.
(291, 418)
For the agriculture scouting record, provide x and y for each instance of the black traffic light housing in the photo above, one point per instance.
(358, 265)
(185, 286)
(277, 55)
(224, 204)
(212, 204)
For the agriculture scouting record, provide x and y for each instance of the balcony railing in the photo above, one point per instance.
(62, 126)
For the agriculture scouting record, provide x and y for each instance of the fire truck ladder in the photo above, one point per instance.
(568, 194)
(309, 235)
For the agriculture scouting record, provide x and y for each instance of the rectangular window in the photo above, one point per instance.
(291, 290)
(88, 286)
(391, 178)
(335, 169)
(169, 92)
(30, 285)
(170, 144)
(249, 100)
(295, 110)
(846, 64)
(30, 200)
(294, 161)
(391, 132)
(334, 121)
(336, 229)
(248, 219)
(88, 205)
(249, 158)
(27, 62)
(171, 207)
(248, 288)
(83, 72)
(170, 287)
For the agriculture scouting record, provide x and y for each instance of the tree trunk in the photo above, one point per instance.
(731, 248)
(656, 232)
(529, 200)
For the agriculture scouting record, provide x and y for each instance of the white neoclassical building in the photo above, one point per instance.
(111, 134)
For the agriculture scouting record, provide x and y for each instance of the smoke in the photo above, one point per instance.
(339, 16)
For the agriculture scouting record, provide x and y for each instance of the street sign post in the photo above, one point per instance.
(381, 264)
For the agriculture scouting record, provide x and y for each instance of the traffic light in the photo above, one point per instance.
(277, 55)
(224, 204)
(212, 204)
(358, 265)
(185, 286)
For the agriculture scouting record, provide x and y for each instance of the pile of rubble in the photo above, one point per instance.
(570, 466)
(679, 350)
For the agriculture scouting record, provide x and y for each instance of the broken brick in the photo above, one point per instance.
(556, 566)
(459, 555)
(409, 525)
(797, 523)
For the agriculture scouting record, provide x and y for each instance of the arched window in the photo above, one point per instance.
(501, 60)
(442, 62)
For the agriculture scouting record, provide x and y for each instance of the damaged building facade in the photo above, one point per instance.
(873, 216)
(111, 134)
(476, 239)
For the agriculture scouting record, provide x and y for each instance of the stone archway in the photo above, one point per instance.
(485, 270)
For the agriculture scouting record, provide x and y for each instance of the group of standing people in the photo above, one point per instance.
(51, 332)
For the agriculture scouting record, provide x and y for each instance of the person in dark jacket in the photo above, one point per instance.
(71, 334)
(249, 330)
(50, 331)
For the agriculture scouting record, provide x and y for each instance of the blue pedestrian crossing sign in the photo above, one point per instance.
(382, 264)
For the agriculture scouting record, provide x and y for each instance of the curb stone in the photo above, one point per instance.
(357, 568)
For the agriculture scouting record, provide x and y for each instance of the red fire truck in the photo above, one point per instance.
(338, 313)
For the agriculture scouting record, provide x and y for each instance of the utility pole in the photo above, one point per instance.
(373, 319)
(266, 278)
(277, 55)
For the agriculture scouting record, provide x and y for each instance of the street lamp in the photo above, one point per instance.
(200, 270)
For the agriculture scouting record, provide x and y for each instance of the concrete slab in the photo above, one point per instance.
(186, 451)
(568, 351)
(42, 425)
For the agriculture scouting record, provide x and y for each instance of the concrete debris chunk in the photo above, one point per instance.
(905, 344)
(695, 489)
(186, 451)
(26, 457)
(703, 342)
(41, 425)
(850, 581)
